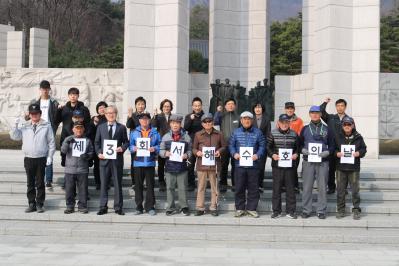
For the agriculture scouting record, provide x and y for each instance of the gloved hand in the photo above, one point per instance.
(49, 161)
(305, 151)
(84, 156)
(324, 154)
(17, 122)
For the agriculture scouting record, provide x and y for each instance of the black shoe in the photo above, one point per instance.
(69, 211)
(185, 211)
(39, 209)
(49, 185)
(162, 186)
(31, 208)
(223, 188)
(214, 213)
(83, 210)
(331, 191)
(297, 191)
(119, 212)
(199, 213)
(102, 211)
(275, 215)
(321, 216)
(260, 189)
(170, 212)
(305, 215)
(191, 188)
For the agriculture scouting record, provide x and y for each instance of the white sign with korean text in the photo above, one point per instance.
(314, 150)
(143, 146)
(78, 147)
(285, 157)
(246, 154)
(176, 151)
(347, 154)
(109, 149)
(208, 156)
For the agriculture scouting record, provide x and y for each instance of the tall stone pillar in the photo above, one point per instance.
(239, 41)
(156, 52)
(15, 49)
(3, 43)
(38, 48)
(308, 35)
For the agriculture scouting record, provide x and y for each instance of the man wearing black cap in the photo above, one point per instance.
(65, 113)
(79, 150)
(283, 175)
(334, 123)
(48, 106)
(38, 146)
(111, 168)
(348, 172)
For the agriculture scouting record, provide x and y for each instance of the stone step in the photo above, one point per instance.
(58, 201)
(370, 185)
(366, 196)
(259, 233)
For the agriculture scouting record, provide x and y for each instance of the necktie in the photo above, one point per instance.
(110, 132)
(34, 128)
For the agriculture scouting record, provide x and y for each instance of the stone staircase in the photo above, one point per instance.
(379, 224)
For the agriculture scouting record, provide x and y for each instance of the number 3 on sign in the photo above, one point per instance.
(109, 149)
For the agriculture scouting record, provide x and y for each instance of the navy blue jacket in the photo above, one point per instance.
(251, 137)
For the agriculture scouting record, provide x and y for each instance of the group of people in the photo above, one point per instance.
(201, 145)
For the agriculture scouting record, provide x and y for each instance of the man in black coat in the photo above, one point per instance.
(192, 124)
(111, 130)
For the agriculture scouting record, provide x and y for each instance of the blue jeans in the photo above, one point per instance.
(49, 173)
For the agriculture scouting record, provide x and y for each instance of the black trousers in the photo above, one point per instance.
(331, 173)
(226, 160)
(191, 167)
(247, 190)
(96, 170)
(35, 170)
(262, 166)
(132, 168)
(147, 174)
(161, 169)
(296, 179)
(71, 181)
(281, 177)
(112, 170)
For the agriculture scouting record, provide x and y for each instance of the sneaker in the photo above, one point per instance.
(340, 215)
(162, 187)
(239, 213)
(321, 216)
(292, 216)
(260, 189)
(214, 212)
(185, 211)
(49, 186)
(31, 208)
(305, 215)
(253, 214)
(170, 212)
(137, 212)
(152, 212)
(356, 214)
(83, 210)
(69, 211)
(223, 188)
(199, 213)
(40, 209)
(275, 215)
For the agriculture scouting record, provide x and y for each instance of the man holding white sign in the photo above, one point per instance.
(115, 135)
(208, 145)
(317, 145)
(350, 148)
(283, 148)
(247, 145)
(144, 145)
(176, 149)
(78, 150)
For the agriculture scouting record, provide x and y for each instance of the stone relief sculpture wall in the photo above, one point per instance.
(19, 86)
(389, 106)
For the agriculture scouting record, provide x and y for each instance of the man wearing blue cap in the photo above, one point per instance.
(317, 137)
(348, 172)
